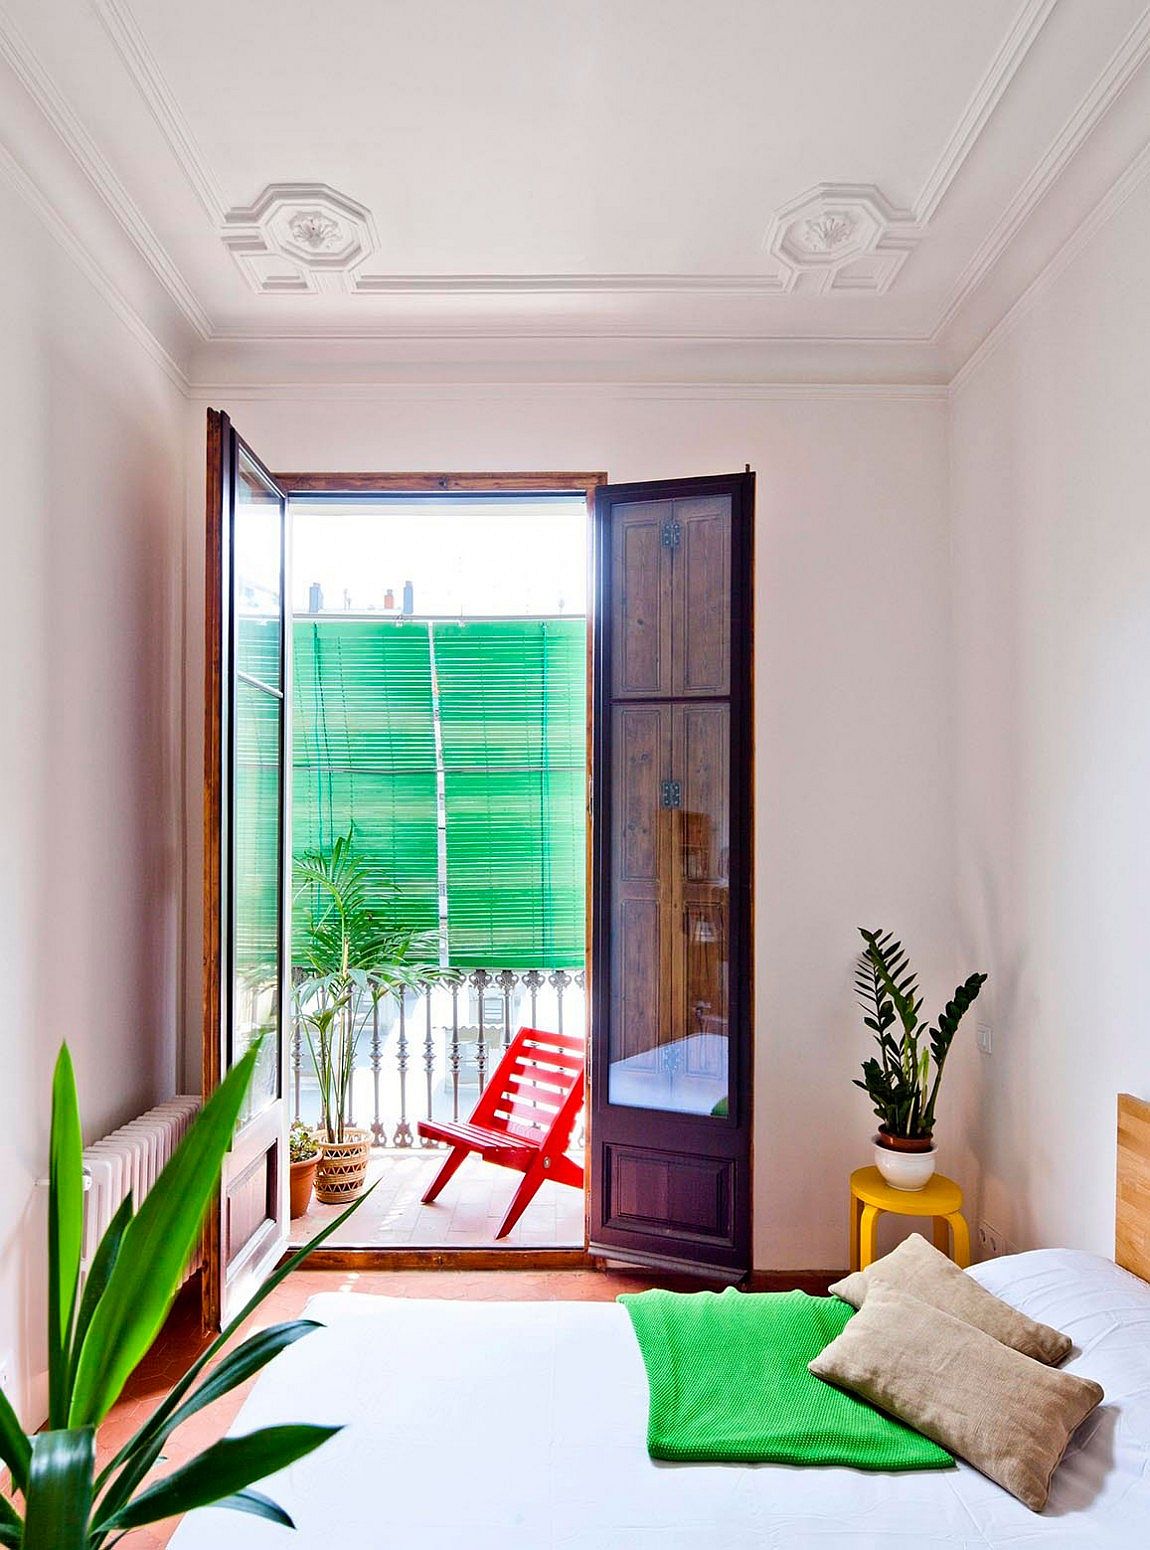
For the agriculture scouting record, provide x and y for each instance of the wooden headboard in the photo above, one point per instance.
(1132, 1219)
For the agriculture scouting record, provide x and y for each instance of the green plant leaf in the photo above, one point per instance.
(222, 1470)
(65, 1232)
(239, 1365)
(11, 1524)
(140, 1452)
(154, 1251)
(103, 1263)
(15, 1448)
(59, 1497)
(258, 1505)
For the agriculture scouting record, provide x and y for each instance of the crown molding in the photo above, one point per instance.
(129, 42)
(1135, 174)
(507, 392)
(78, 251)
(15, 48)
(1131, 54)
(989, 92)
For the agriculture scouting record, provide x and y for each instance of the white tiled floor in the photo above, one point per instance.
(466, 1215)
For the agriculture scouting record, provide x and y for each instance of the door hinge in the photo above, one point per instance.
(671, 794)
(672, 535)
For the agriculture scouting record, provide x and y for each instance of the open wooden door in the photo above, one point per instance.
(246, 851)
(671, 937)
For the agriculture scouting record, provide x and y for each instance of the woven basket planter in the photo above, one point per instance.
(342, 1167)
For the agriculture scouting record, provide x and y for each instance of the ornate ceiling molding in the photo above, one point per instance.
(840, 237)
(300, 237)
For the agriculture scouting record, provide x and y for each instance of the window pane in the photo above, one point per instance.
(258, 586)
(256, 906)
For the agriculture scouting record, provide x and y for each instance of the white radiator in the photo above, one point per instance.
(130, 1161)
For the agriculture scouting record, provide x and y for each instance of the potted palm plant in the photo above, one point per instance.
(903, 1080)
(99, 1330)
(354, 957)
(304, 1154)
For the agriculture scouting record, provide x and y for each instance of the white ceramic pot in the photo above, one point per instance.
(905, 1170)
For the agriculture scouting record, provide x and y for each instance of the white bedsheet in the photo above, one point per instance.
(522, 1426)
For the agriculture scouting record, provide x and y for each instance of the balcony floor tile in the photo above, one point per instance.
(466, 1215)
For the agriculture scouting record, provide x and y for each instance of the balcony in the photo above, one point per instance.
(427, 1053)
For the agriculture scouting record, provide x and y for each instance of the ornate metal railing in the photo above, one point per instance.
(427, 1052)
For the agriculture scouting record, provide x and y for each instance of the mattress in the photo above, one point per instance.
(522, 1426)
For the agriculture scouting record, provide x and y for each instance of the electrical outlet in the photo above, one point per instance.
(990, 1241)
(986, 1038)
(6, 1375)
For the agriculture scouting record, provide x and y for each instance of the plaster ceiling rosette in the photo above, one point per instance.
(840, 237)
(300, 237)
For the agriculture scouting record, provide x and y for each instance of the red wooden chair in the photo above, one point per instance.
(523, 1120)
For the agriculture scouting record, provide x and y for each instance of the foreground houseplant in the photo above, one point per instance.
(354, 958)
(903, 1080)
(98, 1334)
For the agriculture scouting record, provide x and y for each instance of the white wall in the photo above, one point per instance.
(1050, 457)
(91, 777)
(852, 680)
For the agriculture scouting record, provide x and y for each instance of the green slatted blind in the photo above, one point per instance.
(512, 719)
(364, 754)
(512, 705)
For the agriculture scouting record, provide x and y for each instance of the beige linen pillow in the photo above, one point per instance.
(918, 1268)
(1008, 1415)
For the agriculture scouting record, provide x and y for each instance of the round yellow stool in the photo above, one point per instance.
(940, 1199)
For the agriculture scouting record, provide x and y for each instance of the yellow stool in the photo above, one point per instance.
(940, 1199)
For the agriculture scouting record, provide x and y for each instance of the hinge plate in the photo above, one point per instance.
(671, 794)
(672, 535)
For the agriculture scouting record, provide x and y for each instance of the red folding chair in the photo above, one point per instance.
(523, 1120)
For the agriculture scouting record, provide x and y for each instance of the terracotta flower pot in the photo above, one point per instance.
(342, 1167)
(903, 1143)
(301, 1179)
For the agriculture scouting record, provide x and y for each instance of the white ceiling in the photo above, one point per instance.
(617, 184)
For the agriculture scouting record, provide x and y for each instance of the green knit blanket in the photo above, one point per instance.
(729, 1383)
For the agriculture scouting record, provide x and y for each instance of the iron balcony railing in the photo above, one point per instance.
(427, 1052)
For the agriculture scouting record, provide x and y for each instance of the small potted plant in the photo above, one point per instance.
(903, 1081)
(304, 1161)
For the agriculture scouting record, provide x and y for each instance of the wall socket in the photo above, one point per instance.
(986, 1038)
(991, 1242)
(6, 1376)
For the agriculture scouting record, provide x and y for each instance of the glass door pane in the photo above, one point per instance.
(669, 1035)
(257, 796)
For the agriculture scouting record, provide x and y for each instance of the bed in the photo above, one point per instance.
(521, 1426)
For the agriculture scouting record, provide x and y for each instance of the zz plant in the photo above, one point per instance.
(98, 1334)
(902, 1081)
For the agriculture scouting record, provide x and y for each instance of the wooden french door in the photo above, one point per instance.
(671, 932)
(246, 850)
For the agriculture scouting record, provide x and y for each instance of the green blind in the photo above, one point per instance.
(364, 754)
(512, 705)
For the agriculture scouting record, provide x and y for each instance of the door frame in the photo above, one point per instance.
(259, 1133)
(297, 484)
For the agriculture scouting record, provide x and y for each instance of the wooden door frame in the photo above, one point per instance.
(296, 484)
(224, 448)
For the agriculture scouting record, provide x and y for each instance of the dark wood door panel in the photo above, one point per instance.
(642, 741)
(671, 1016)
(641, 609)
(667, 1194)
(701, 597)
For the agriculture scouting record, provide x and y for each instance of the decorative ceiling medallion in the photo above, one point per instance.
(300, 237)
(840, 237)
